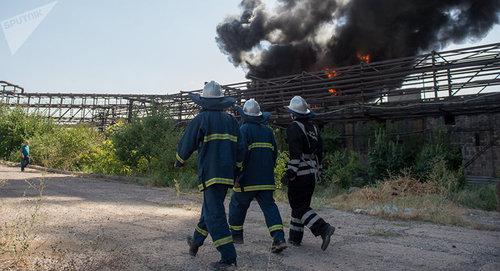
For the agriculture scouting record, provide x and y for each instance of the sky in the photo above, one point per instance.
(124, 46)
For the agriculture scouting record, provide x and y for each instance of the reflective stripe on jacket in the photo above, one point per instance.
(257, 152)
(214, 134)
(305, 146)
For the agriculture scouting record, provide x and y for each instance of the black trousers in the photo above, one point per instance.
(25, 162)
(300, 192)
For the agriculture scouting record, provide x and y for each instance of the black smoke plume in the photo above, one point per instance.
(308, 35)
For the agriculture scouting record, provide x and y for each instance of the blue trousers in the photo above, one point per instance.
(213, 221)
(240, 201)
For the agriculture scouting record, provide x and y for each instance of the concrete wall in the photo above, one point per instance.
(472, 133)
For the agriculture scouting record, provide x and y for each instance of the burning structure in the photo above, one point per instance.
(361, 61)
(308, 35)
(355, 61)
(458, 90)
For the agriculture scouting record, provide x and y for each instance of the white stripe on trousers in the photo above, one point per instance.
(295, 228)
(306, 215)
(313, 220)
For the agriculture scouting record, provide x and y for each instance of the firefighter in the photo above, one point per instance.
(306, 152)
(214, 134)
(257, 153)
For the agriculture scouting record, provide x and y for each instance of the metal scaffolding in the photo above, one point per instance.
(385, 89)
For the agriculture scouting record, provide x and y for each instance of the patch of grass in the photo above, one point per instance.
(403, 197)
(18, 235)
(323, 195)
(476, 197)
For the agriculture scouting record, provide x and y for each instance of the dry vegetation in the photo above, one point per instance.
(18, 235)
(404, 197)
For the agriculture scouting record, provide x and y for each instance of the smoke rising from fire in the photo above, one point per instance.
(308, 35)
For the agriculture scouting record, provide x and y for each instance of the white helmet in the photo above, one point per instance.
(252, 108)
(212, 89)
(299, 105)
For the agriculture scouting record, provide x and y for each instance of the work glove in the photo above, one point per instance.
(289, 176)
(178, 164)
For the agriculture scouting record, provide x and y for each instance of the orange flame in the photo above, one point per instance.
(331, 74)
(333, 92)
(366, 58)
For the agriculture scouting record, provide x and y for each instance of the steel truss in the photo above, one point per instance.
(382, 89)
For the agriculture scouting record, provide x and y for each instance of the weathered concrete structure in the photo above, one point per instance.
(472, 126)
(457, 90)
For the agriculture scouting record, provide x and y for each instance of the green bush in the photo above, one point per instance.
(443, 177)
(436, 151)
(341, 169)
(477, 197)
(331, 140)
(65, 147)
(147, 146)
(281, 167)
(16, 127)
(140, 143)
(102, 159)
(385, 157)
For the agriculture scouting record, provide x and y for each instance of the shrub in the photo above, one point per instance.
(102, 159)
(16, 127)
(281, 167)
(385, 157)
(331, 140)
(280, 137)
(477, 197)
(341, 168)
(441, 176)
(437, 151)
(399, 185)
(140, 143)
(147, 146)
(65, 147)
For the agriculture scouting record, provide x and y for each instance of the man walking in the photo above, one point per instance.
(257, 153)
(214, 134)
(306, 152)
(25, 155)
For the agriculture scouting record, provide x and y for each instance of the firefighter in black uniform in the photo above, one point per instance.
(306, 152)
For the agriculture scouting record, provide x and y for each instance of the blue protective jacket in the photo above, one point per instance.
(214, 134)
(257, 153)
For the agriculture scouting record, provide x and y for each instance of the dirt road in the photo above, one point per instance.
(90, 224)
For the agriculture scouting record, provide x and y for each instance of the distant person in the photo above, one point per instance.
(25, 155)
(214, 134)
(257, 154)
(306, 153)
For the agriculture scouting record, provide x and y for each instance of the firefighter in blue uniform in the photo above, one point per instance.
(306, 153)
(214, 134)
(257, 153)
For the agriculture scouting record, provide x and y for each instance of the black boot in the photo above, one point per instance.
(222, 266)
(238, 239)
(278, 246)
(326, 236)
(295, 237)
(193, 248)
(294, 243)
